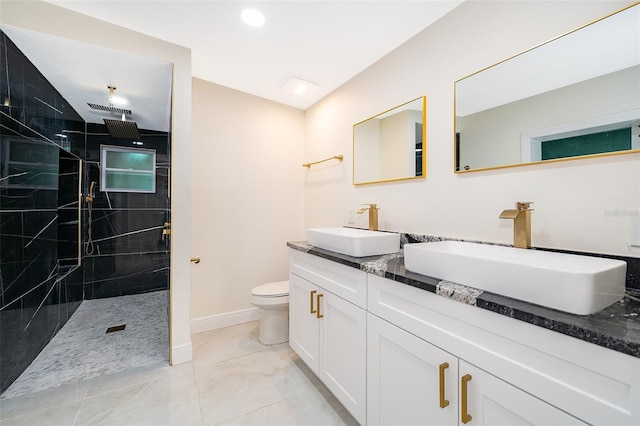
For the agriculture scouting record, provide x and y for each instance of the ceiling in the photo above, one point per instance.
(323, 42)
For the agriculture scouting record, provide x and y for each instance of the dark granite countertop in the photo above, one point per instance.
(616, 327)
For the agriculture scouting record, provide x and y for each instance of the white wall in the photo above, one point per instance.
(49, 19)
(247, 197)
(573, 200)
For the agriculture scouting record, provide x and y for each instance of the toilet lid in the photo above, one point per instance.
(274, 289)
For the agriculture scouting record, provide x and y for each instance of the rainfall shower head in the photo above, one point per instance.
(110, 108)
(122, 129)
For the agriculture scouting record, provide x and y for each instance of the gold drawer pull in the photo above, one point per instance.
(443, 402)
(466, 417)
(311, 294)
(319, 315)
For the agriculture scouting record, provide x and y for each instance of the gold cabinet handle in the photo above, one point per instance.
(195, 259)
(319, 315)
(311, 294)
(443, 402)
(466, 417)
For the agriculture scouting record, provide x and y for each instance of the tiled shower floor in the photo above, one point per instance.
(82, 349)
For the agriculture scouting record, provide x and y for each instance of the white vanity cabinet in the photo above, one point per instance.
(500, 370)
(491, 401)
(411, 382)
(327, 326)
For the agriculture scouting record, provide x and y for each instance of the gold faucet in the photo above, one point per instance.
(521, 216)
(373, 215)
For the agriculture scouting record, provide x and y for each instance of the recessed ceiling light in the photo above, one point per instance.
(299, 87)
(253, 17)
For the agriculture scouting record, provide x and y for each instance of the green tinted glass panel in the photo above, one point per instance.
(595, 143)
(130, 160)
(130, 181)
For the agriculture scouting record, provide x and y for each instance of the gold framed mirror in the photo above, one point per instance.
(391, 146)
(572, 97)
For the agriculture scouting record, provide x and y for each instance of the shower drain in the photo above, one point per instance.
(116, 328)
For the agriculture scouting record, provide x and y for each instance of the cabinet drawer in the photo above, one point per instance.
(592, 383)
(341, 280)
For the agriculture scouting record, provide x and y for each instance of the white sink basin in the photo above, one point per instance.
(572, 283)
(354, 242)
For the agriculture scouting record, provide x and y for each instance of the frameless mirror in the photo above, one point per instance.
(390, 146)
(574, 96)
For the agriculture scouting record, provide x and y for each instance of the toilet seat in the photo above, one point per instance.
(274, 289)
(273, 300)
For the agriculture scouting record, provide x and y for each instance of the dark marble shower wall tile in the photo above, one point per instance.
(16, 278)
(12, 346)
(27, 199)
(26, 326)
(39, 289)
(71, 293)
(131, 200)
(40, 230)
(128, 231)
(109, 276)
(11, 237)
(67, 233)
(68, 181)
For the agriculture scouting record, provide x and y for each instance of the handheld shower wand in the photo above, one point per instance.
(89, 198)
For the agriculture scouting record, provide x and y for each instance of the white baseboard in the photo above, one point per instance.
(181, 353)
(214, 322)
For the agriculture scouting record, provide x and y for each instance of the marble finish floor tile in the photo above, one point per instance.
(233, 380)
(82, 349)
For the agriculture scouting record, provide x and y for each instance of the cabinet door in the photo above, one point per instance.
(491, 401)
(404, 378)
(343, 366)
(304, 325)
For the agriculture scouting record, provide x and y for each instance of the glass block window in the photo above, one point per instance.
(127, 169)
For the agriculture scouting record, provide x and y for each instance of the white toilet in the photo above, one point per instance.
(273, 299)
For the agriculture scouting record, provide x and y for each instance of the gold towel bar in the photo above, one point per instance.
(335, 157)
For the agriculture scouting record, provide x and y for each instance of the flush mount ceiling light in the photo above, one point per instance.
(299, 87)
(253, 17)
